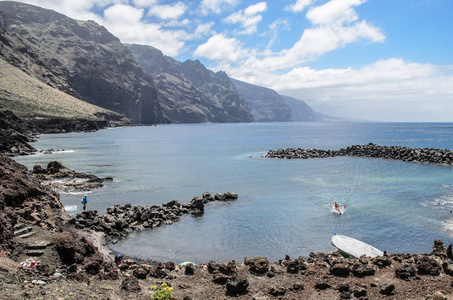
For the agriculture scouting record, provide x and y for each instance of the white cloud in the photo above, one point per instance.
(274, 29)
(216, 6)
(204, 29)
(388, 90)
(334, 12)
(144, 3)
(299, 6)
(219, 47)
(125, 22)
(248, 18)
(170, 11)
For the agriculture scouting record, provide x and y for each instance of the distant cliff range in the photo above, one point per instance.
(86, 62)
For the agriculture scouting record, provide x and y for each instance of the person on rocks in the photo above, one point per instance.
(84, 202)
(118, 259)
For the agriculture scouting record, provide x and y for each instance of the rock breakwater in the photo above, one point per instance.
(421, 155)
(119, 221)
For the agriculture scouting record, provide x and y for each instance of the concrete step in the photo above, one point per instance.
(37, 245)
(19, 226)
(22, 231)
(26, 235)
(35, 252)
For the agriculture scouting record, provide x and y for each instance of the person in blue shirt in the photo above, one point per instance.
(84, 202)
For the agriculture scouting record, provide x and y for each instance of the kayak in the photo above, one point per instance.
(339, 211)
(353, 247)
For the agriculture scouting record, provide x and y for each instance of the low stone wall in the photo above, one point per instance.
(422, 155)
(119, 221)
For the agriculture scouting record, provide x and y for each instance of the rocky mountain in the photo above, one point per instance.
(300, 111)
(79, 58)
(266, 104)
(189, 92)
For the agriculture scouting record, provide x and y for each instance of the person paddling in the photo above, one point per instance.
(336, 206)
(84, 202)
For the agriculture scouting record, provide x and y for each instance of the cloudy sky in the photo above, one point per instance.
(381, 60)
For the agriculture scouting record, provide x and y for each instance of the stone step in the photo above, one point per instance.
(22, 231)
(19, 226)
(37, 246)
(35, 253)
(26, 235)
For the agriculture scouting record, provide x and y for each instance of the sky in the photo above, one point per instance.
(376, 60)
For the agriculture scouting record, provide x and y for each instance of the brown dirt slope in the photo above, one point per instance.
(28, 97)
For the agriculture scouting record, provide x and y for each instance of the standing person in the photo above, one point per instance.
(84, 202)
(118, 259)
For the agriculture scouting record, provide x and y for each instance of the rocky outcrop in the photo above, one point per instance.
(422, 155)
(58, 177)
(119, 221)
(300, 111)
(266, 104)
(189, 92)
(24, 199)
(16, 134)
(79, 58)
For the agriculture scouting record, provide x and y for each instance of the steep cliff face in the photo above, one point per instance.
(266, 104)
(189, 92)
(300, 111)
(79, 58)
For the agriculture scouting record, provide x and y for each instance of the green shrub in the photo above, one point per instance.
(164, 293)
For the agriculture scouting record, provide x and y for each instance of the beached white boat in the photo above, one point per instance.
(353, 247)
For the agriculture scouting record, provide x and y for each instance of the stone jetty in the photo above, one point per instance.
(421, 155)
(119, 221)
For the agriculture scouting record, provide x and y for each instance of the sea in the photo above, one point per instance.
(284, 206)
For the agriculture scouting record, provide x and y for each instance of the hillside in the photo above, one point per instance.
(300, 111)
(266, 104)
(79, 58)
(28, 97)
(189, 92)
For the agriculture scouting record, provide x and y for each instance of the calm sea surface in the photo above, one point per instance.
(283, 206)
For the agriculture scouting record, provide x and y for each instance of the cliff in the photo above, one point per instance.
(81, 59)
(300, 111)
(266, 104)
(189, 92)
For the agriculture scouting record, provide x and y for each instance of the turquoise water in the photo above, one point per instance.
(283, 206)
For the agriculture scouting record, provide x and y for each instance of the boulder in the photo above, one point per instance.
(131, 284)
(387, 289)
(140, 273)
(259, 265)
(405, 272)
(428, 266)
(237, 285)
(197, 205)
(340, 269)
(189, 269)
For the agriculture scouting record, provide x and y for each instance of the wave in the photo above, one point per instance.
(70, 208)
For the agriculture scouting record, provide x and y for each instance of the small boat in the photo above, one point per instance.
(339, 210)
(353, 247)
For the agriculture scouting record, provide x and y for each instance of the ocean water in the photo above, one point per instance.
(283, 206)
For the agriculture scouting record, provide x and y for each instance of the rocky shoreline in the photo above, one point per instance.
(16, 133)
(119, 221)
(421, 155)
(46, 254)
(72, 258)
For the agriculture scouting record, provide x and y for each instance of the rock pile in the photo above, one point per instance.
(422, 155)
(74, 181)
(119, 221)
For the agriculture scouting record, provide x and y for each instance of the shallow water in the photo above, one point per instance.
(284, 205)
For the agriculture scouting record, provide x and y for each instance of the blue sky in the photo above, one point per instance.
(366, 59)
